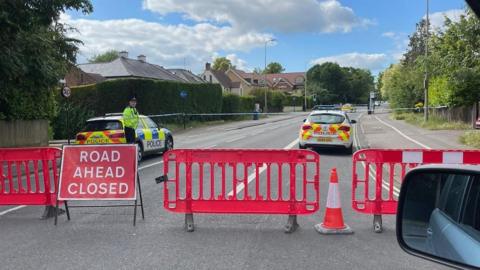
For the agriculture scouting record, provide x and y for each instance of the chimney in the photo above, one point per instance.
(123, 54)
(207, 66)
(142, 58)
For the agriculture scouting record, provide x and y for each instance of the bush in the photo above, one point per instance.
(236, 104)
(275, 99)
(471, 138)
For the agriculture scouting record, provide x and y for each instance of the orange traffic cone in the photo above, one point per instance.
(333, 221)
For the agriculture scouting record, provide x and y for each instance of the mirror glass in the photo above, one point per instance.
(441, 216)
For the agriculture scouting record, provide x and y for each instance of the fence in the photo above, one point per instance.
(29, 176)
(219, 181)
(378, 174)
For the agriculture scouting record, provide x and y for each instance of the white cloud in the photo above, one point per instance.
(237, 62)
(166, 45)
(316, 16)
(389, 34)
(372, 62)
(437, 19)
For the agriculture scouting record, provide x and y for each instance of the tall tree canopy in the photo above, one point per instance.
(222, 64)
(453, 64)
(334, 84)
(35, 53)
(105, 57)
(274, 67)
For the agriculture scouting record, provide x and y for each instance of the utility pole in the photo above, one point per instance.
(425, 82)
(265, 74)
(305, 86)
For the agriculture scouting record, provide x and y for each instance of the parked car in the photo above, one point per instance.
(109, 129)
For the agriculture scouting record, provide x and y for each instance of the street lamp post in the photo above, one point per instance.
(265, 74)
(425, 83)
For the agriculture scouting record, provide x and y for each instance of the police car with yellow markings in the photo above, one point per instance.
(327, 129)
(109, 129)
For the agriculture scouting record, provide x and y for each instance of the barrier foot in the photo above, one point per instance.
(292, 224)
(322, 229)
(50, 211)
(189, 226)
(377, 223)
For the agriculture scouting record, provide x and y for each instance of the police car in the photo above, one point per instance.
(327, 129)
(108, 129)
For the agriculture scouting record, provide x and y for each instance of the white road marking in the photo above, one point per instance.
(235, 139)
(401, 133)
(252, 176)
(385, 185)
(150, 165)
(12, 209)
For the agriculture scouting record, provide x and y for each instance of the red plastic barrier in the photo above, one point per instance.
(241, 181)
(378, 173)
(29, 176)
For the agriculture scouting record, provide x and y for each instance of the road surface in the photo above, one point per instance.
(104, 238)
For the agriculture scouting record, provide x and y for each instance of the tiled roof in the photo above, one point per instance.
(223, 79)
(186, 75)
(125, 67)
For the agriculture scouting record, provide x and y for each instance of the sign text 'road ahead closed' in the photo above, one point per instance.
(98, 172)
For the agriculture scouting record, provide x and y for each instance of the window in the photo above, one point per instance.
(205, 77)
(471, 214)
(150, 123)
(299, 80)
(210, 78)
(451, 198)
(326, 118)
(140, 124)
(102, 125)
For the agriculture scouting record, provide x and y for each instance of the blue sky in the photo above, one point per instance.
(368, 34)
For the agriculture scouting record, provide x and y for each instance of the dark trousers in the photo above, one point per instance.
(130, 134)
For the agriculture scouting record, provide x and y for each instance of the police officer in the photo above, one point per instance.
(130, 120)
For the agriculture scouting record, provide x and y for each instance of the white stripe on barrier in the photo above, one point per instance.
(412, 157)
(453, 158)
(333, 198)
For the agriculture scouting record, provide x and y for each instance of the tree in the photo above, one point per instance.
(222, 64)
(403, 85)
(35, 53)
(331, 83)
(105, 57)
(274, 67)
(416, 44)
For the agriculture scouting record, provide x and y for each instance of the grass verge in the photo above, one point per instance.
(433, 123)
(471, 138)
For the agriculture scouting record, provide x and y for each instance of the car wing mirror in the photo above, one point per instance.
(353, 121)
(304, 120)
(438, 215)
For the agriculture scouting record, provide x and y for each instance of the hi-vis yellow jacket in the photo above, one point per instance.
(130, 117)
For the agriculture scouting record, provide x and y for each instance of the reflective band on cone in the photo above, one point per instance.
(333, 220)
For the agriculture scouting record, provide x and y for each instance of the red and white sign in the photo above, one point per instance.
(98, 172)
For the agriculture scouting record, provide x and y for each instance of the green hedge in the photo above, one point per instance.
(236, 104)
(154, 97)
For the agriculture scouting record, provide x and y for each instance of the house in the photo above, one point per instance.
(76, 77)
(124, 67)
(186, 75)
(241, 83)
(215, 76)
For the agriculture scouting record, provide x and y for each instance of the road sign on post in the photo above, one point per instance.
(184, 95)
(99, 172)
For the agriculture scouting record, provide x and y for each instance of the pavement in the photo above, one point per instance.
(381, 131)
(104, 238)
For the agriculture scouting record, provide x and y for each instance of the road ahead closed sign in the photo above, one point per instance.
(98, 172)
